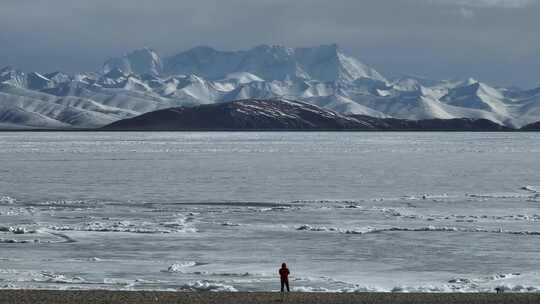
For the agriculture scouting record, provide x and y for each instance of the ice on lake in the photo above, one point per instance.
(221, 211)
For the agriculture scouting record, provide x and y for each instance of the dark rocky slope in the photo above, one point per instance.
(532, 127)
(455, 124)
(280, 114)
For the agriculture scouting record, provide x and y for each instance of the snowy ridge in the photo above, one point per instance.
(141, 81)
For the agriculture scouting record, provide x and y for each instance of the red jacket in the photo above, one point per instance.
(284, 273)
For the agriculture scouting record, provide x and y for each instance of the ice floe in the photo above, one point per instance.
(130, 226)
(533, 189)
(367, 230)
(15, 241)
(7, 200)
(181, 266)
(16, 230)
(205, 285)
(51, 277)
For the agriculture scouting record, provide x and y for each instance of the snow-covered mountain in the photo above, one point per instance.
(142, 81)
(271, 62)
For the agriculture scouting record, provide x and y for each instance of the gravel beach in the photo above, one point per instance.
(140, 297)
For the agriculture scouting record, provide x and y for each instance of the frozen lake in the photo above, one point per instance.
(221, 211)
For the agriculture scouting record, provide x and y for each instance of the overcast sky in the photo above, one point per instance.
(497, 41)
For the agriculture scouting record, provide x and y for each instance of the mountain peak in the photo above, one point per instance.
(330, 48)
(10, 75)
(7, 68)
(472, 80)
(475, 87)
(58, 77)
(329, 63)
(140, 61)
(276, 48)
(10, 70)
(144, 51)
(325, 63)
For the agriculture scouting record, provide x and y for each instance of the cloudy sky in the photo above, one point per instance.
(496, 41)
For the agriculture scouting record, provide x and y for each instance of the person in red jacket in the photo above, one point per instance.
(284, 275)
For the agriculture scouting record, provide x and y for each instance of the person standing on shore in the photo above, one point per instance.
(284, 276)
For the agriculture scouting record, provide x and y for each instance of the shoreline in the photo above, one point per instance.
(24, 296)
(272, 130)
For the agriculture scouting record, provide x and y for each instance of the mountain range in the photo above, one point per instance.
(142, 81)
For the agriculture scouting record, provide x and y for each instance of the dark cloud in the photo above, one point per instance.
(494, 40)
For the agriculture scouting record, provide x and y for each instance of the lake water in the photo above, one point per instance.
(349, 211)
